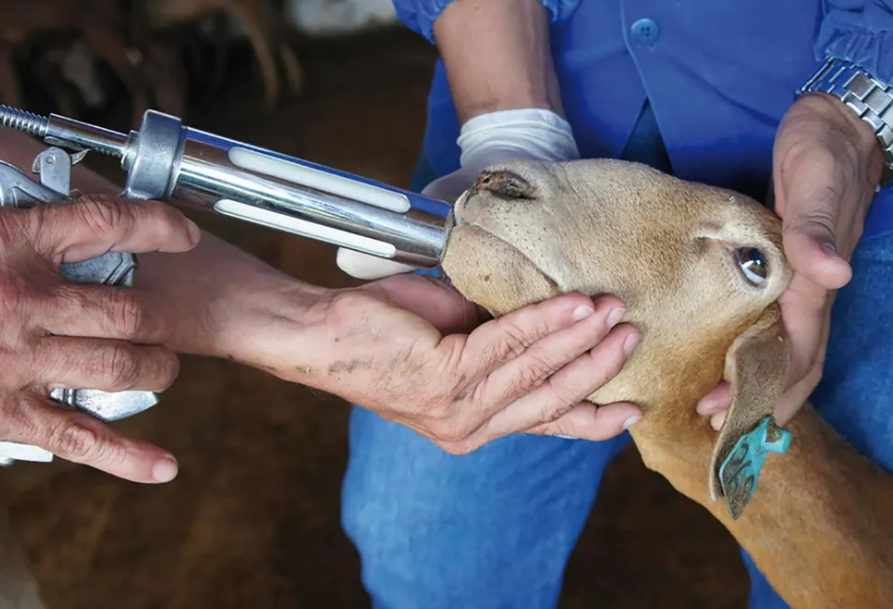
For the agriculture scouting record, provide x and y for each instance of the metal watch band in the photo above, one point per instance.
(869, 98)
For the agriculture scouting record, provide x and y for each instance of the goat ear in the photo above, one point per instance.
(756, 367)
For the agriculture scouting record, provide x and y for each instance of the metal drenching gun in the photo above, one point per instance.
(168, 161)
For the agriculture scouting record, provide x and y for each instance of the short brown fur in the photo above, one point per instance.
(820, 525)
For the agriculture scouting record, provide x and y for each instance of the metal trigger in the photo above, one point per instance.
(53, 165)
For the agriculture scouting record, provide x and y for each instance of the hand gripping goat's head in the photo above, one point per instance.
(699, 268)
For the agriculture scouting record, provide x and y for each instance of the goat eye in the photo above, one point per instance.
(752, 264)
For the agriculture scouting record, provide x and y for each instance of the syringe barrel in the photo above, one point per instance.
(168, 161)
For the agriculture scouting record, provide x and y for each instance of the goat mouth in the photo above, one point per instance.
(457, 223)
(456, 219)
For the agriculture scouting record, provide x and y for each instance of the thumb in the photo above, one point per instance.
(433, 300)
(368, 267)
(810, 238)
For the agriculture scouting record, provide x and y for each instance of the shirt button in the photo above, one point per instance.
(645, 31)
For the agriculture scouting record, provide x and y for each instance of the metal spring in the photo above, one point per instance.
(24, 121)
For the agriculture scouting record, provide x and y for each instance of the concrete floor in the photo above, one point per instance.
(253, 519)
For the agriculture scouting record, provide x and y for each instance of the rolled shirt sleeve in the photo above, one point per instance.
(860, 31)
(420, 15)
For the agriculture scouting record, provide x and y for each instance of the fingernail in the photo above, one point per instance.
(630, 343)
(830, 249)
(164, 470)
(615, 316)
(582, 312)
(195, 233)
(632, 421)
(566, 437)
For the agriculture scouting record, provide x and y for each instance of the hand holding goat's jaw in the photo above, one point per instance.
(827, 167)
(527, 372)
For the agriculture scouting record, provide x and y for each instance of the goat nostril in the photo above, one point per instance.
(504, 184)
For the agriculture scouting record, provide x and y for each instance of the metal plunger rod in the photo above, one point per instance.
(57, 127)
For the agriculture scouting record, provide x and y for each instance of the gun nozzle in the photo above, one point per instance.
(24, 121)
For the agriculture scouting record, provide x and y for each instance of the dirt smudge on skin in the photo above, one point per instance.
(349, 366)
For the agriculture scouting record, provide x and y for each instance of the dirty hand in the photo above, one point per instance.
(827, 165)
(56, 334)
(397, 347)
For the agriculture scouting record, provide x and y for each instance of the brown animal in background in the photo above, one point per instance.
(100, 24)
(260, 22)
(684, 258)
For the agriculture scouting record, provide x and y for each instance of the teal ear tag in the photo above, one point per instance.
(740, 471)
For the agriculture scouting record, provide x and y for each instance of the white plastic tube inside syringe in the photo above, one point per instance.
(309, 200)
(318, 180)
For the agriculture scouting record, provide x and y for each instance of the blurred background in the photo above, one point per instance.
(253, 518)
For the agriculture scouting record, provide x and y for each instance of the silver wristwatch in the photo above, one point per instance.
(869, 98)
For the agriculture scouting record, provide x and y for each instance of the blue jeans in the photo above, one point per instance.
(494, 529)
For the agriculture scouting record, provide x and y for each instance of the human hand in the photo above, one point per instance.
(397, 347)
(826, 168)
(57, 334)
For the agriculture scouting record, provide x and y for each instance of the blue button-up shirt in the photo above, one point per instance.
(719, 76)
